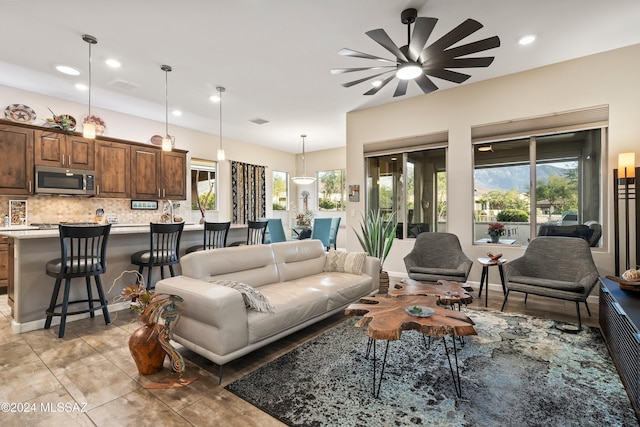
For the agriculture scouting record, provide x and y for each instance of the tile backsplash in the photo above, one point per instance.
(54, 209)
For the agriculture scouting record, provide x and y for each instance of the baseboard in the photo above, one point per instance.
(34, 325)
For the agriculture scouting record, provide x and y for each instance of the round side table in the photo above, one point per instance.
(484, 279)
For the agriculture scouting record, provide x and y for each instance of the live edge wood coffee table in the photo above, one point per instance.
(448, 293)
(386, 318)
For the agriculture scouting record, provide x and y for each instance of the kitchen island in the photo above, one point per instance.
(33, 248)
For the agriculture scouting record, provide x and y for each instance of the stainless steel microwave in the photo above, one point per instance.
(55, 180)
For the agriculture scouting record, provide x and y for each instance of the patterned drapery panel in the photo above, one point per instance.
(248, 192)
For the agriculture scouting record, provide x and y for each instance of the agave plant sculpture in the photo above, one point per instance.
(377, 233)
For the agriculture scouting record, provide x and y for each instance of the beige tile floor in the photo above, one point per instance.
(91, 367)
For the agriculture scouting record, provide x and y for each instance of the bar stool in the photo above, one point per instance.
(256, 231)
(164, 250)
(82, 254)
(215, 236)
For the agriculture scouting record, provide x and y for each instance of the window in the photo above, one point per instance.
(203, 185)
(332, 190)
(280, 194)
(566, 169)
(421, 203)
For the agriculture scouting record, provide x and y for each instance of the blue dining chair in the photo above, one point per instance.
(335, 225)
(322, 231)
(275, 230)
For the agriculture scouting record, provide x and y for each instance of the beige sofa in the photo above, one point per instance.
(215, 322)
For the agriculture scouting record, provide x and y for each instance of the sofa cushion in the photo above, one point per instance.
(345, 262)
(251, 264)
(253, 299)
(339, 287)
(298, 258)
(293, 303)
(560, 285)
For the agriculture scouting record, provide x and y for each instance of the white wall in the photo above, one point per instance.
(608, 78)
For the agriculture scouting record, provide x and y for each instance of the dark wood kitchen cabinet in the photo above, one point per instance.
(113, 177)
(64, 150)
(158, 174)
(174, 175)
(145, 172)
(16, 176)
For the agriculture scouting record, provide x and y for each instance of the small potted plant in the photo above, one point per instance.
(376, 237)
(496, 229)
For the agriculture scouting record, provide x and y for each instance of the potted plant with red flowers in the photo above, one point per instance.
(496, 229)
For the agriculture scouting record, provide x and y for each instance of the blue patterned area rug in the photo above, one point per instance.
(518, 371)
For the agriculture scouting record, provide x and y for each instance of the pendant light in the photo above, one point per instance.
(166, 141)
(304, 179)
(221, 156)
(89, 128)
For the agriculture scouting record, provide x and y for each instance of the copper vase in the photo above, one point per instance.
(146, 350)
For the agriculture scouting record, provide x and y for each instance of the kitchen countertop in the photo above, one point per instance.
(32, 232)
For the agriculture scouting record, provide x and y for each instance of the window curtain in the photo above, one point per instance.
(248, 192)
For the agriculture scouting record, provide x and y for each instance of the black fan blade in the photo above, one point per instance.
(484, 61)
(452, 76)
(426, 84)
(355, 82)
(375, 90)
(421, 31)
(463, 30)
(401, 89)
(474, 47)
(381, 37)
(356, 54)
(351, 70)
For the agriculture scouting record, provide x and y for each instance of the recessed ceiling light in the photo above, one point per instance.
(113, 63)
(67, 70)
(176, 113)
(528, 39)
(214, 98)
(81, 86)
(376, 83)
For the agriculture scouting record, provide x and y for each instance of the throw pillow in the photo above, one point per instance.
(253, 299)
(345, 262)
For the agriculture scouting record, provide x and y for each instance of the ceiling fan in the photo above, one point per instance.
(416, 61)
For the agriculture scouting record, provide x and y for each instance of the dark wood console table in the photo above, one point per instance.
(619, 321)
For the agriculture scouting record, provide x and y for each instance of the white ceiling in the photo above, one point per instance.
(274, 56)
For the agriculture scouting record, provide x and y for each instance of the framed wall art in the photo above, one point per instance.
(17, 212)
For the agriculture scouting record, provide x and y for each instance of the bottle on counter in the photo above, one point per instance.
(6, 220)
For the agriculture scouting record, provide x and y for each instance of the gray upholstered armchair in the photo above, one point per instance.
(437, 256)
(555, 267)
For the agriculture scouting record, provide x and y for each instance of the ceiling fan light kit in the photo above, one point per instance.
(418, 62)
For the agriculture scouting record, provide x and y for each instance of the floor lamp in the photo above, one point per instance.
(624, 182)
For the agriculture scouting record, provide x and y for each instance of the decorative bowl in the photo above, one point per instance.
(419, 311)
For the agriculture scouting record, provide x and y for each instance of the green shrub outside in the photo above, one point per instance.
(512, 215)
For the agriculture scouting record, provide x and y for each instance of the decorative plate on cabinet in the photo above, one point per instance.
(20, 113)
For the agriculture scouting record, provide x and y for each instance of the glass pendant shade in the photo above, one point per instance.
(221, 154)
(304, 179)
(89, 130)
(166, 144)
